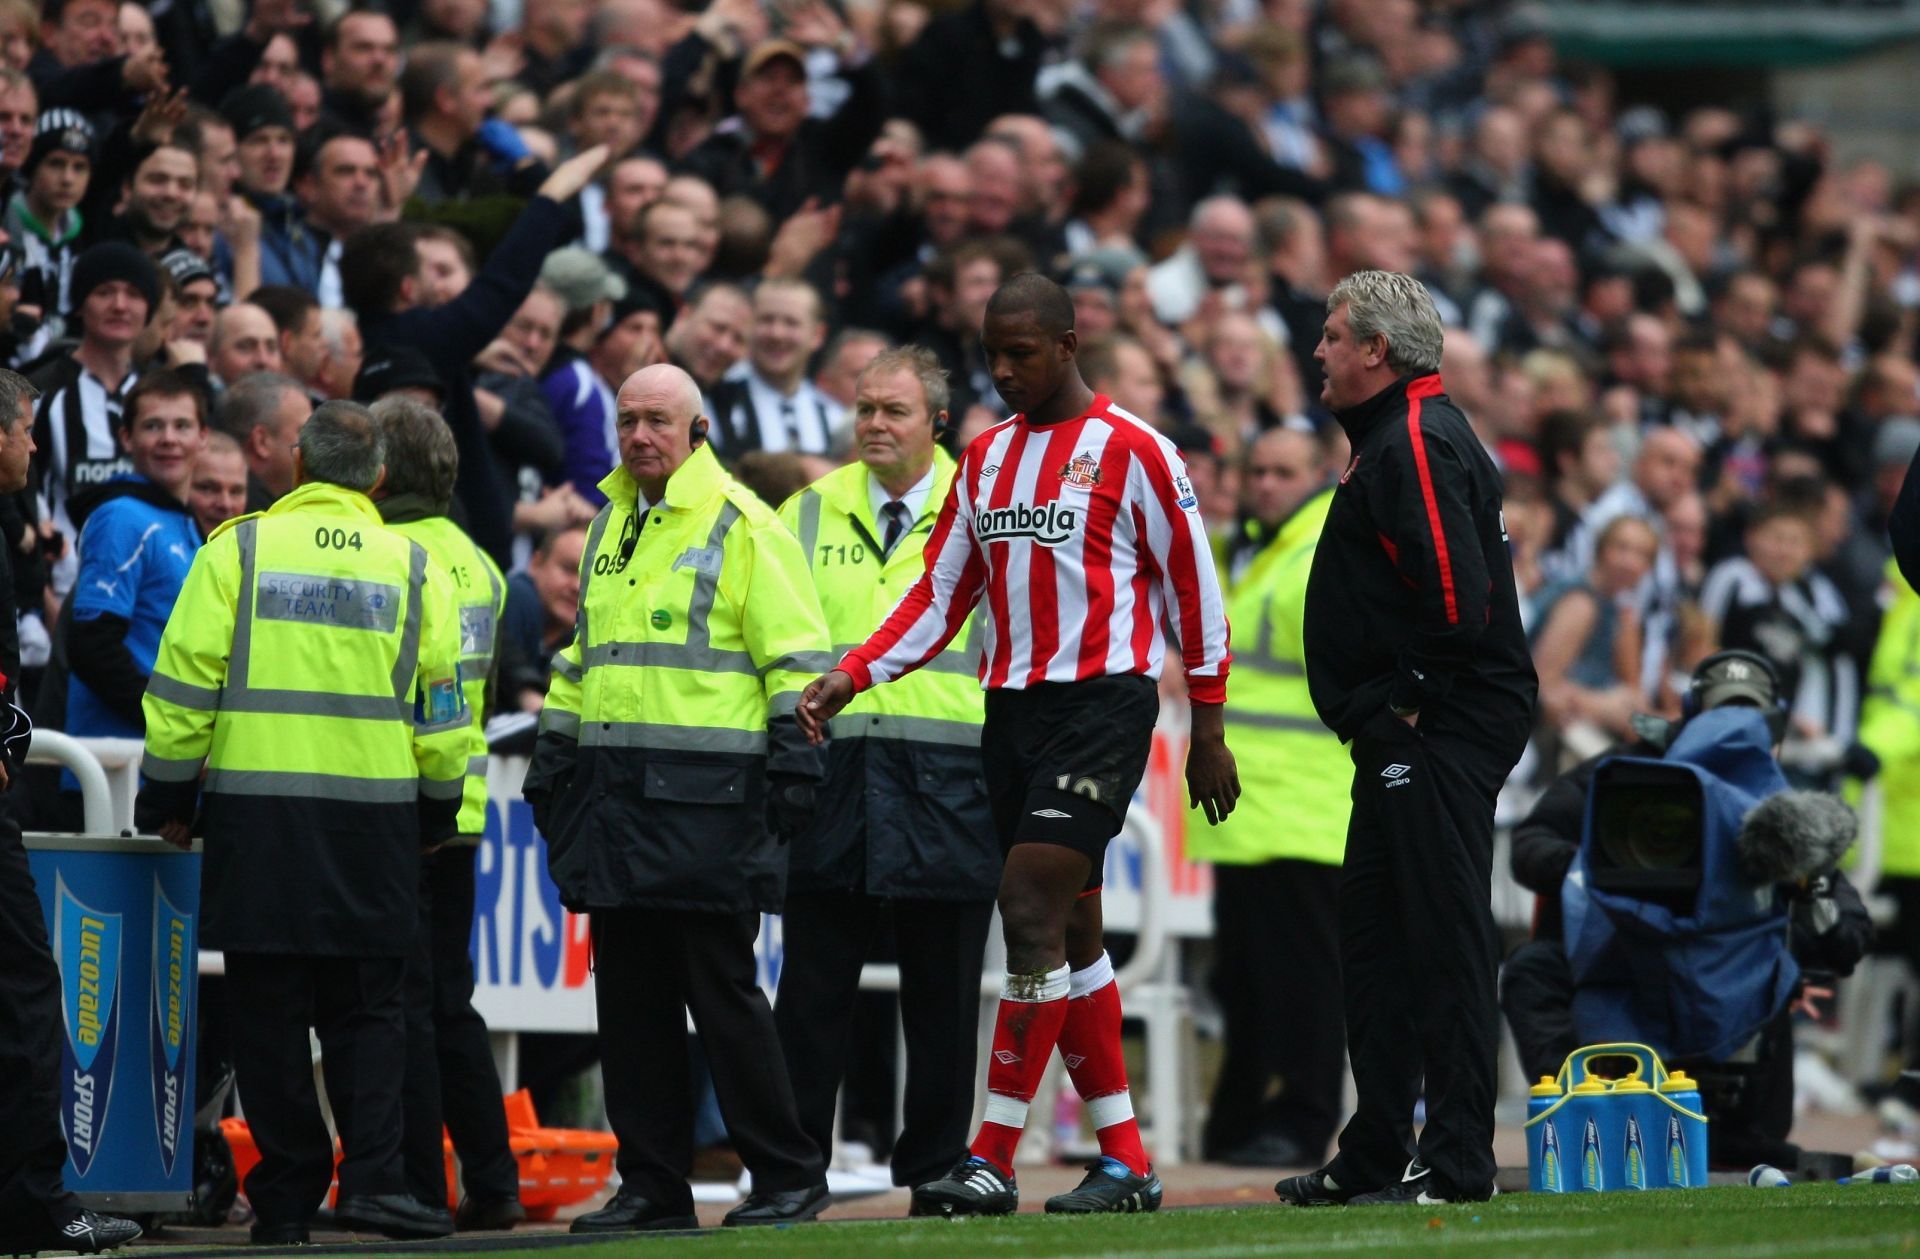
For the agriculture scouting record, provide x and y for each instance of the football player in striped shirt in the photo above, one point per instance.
(1074, 528)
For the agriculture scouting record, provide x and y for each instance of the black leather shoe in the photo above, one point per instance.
(631, 1213)
(790, 1207)
(394, 1215)
(279, 1235)
(479, 1215)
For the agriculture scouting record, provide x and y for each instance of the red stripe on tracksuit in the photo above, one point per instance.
(1427, 387)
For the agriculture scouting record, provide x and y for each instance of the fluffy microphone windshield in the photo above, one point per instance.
(1794, 834)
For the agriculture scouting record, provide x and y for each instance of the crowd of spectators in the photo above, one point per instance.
(1686, 339)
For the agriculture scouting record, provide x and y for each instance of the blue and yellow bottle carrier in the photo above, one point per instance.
(1590, 1135)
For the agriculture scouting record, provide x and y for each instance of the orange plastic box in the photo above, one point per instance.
(559, 1167)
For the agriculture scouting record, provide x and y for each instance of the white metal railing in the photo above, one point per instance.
(107, 811)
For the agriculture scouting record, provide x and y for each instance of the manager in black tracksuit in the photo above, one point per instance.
(1415, 655)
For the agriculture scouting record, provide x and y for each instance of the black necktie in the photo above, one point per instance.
(788, 418)
(897, 523)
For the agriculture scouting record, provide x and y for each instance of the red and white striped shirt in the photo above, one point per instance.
(1084, 540)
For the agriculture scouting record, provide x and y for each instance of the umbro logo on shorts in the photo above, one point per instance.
(1005, 1057)
(1073, 1061)
(1396, 775)
(1054, 813)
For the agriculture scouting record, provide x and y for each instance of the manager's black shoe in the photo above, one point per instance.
(1312, 1189)
(395, 1215)
(1111, 1187)
(480, 1215)
(629, 1212)
(973, 1187)
(86, 1233)
(791, 1206)
(279, 1235)
(1418, 1187)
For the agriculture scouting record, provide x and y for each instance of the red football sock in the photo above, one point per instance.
(1090, 1043)
(1031, 1012)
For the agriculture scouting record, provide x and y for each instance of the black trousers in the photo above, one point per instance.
(355, 1005)
(651, 967)
(33, 1154)
(1419, 954)
(1276, 964)
(450, 1076)
(940, 946)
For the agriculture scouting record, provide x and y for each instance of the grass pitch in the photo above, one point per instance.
(1738, 1223)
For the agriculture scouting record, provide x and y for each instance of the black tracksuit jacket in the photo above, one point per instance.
(1411, 598)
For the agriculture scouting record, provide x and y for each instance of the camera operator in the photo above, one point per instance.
(1751, 1110)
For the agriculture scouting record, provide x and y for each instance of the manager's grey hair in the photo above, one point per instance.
(15, 390)
(1397, 307)
(342, 445)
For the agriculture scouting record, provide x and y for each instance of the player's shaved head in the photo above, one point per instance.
(1031, 293)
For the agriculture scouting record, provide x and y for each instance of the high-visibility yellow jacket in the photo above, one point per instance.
(904, 809)
(1890, 726)
(1295, 774)
(481, 594)
(698, 629)
(312, 667)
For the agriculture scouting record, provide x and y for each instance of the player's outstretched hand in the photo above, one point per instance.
(824, 696)
(1213, 781)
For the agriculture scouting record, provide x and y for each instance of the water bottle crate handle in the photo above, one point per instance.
(1648, 1066)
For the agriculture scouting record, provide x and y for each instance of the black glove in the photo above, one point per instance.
(161, 802)
(16, 735)
(789, 806)
(1860, 762)
(439, 820)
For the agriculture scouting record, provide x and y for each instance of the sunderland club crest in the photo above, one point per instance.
(1083, 471)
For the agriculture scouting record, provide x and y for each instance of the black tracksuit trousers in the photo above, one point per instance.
(451, 1078)
(1419, 956)
(33, 1154)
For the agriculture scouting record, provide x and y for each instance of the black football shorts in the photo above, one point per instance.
(1062, 761)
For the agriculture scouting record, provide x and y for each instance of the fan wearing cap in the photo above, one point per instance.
(196, 297)
(44, 218)
(116, 291)
(400, 370)
(580, 399)
(262, 123)
(770, 150)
